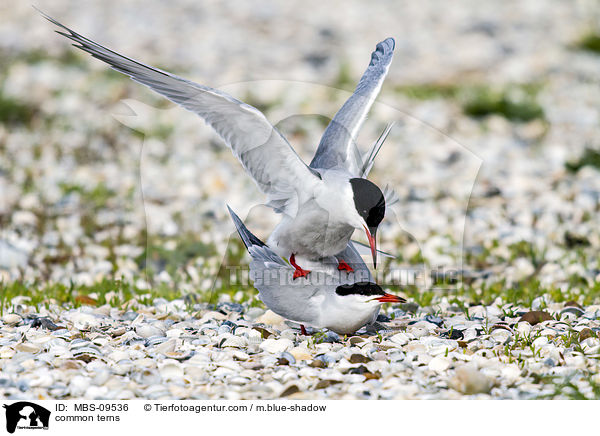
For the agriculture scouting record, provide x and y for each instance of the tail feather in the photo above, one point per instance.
(370, 157)
(263, 258)
(248, 238)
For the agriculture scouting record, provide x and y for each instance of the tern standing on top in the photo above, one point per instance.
(322, 203)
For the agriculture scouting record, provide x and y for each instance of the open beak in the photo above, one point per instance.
(372, 243)
(389, 298)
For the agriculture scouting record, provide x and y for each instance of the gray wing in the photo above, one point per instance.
(263, 151)
(337, 147)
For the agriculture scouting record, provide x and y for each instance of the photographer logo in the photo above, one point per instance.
(24, 415)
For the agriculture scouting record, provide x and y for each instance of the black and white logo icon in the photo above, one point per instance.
(26, 415)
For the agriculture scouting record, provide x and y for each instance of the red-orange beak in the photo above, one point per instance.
(372, 243)
(389, 298)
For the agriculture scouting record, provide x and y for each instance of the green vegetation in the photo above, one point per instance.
(116, 293)
(13, 112)
(515, 102)
(565, 388)
(180, 251)
(590, 157)
(345, 79)
(429, 91)
(589, 42)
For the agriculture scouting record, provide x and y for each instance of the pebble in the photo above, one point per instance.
(585, 333)
(536, 316)
(359, 358)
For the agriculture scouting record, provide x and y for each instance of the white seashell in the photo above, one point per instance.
(222, 372)
(42, 380)
(439, 364)
(174, 333)
(145, 363)
(118, 355)
(166, 347)
(270, 318)
(400, 339)
(11, 319)
(301, 353)
(82, 320)
(7, 353)
(254, 312)
(235, 342)
(78, 385)
(211, 316)
(415, 347)
(147, 330)
(417, 332)
(240, 381)
(240, 355)
(288, 334)
(28, 347)
(424, 358)
(511, 372)
(171, 370)
(429, 326)
(523, 327)
(500, 335)
(469, 380)
(229, 364)
(179, 355)
(276, 345)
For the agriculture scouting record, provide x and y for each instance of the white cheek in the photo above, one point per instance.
(359, 223)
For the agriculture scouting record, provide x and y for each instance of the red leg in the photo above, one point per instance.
(299, 271)
(303, 330)
(343, 266)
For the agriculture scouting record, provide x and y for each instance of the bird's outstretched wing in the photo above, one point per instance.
(263, 151)
(337, 148)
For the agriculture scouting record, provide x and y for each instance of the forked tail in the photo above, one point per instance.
(248, 238)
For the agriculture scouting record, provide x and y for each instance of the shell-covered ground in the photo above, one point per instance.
(121, 275)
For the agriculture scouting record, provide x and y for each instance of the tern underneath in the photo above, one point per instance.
(322, 203)
(329, 298)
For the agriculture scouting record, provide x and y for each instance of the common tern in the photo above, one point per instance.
(337, 300)
(321, 203)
